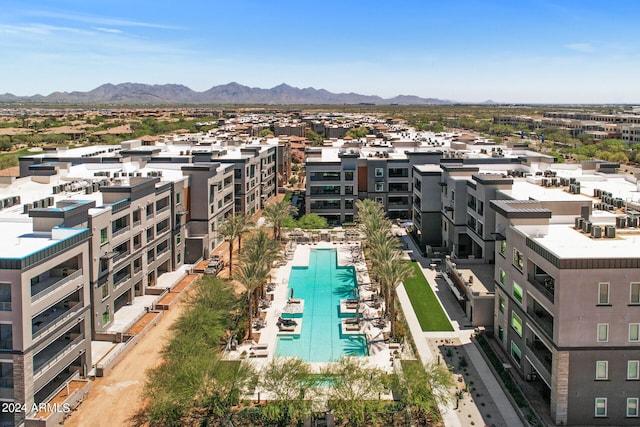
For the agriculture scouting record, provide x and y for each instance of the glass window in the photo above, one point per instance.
(5, 296)
(517, 292)
(635, 293)
(516, 323)
(177, 198)
(516, 354)
(603, 332)
(348, 175)
(105, 290)
(634, 332)
(603, 293)
(633, 373)
(379, 172)
(500, 333)
(501, 305)
(602, 370)
(503, 277)
(601, 407)
(104, 238)
(379, 186)
(632, 406)
(518, 259)
(106, 317)
(503, 247)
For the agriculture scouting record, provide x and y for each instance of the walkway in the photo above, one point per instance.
(486, 404)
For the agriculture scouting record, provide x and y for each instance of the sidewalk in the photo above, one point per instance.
(486, 404)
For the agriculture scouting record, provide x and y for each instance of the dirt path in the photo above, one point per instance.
(114, 399)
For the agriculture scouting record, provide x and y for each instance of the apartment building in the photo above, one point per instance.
(45, 307)
(567, 308)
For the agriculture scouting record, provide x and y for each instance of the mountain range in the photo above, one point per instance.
(230, 93)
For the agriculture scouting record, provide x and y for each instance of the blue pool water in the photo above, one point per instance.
(322, 285)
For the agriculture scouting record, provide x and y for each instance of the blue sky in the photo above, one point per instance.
(509, 51)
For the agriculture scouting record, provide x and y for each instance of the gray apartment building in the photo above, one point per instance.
(91, 233)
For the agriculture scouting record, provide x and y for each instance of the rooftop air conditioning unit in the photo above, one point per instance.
(610, 231)
(586, 227)
(596, 231)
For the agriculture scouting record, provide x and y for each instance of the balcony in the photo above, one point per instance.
(544, 284)
(120, 231)
(54, 352)
(541, 352)
(121, 276)
(56, 315)
(542, 319)
(325, 176)
(50, 284)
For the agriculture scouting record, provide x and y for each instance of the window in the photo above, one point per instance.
(379, 186)
(517, 292)
(503, 248)
(601, 407)
(516, 323)
(6, 336)
(348, 175)
(632, 406)
(379, 200)
(634, 332)
(5, 296)
(602, 370)
(518, 259)
(503, 277)
(105, 290)
(501, 305)
(106, 317)
(379, 172)
(603, 332)
(104, 238)
(516, 354)
(603, 293)
(500, 333)
(635, 293)
(178, 238)
(633, 373)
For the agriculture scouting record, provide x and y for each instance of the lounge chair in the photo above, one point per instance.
(352, 327)
(259, 353)
(256, 346)
(286, 322)
(283, 328)
(294, 301)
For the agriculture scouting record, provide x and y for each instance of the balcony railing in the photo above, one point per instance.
(120, 280)
(121, 255)
(58, 320)
(544, 322)
(6, 382)
(120, 231)
(63, 281)
(541, 353)
(546, 285)
(57, 356)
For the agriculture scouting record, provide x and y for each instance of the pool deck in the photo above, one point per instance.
(263, 349)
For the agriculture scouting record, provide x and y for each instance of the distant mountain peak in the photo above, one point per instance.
(229, 93)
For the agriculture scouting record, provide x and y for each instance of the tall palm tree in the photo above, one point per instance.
(233, 228)
(255, 265)
(392, 272)
(275, 213)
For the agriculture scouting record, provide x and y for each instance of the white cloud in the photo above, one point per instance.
(108, 30)
(580, 47)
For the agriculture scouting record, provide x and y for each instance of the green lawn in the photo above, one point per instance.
(425, 303)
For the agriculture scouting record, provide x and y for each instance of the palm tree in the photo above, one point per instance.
(275, 213)
(251, 275)
(392, 272)
(233, 228)
(255, 266)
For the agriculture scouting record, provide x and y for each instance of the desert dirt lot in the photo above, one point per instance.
(116, 398)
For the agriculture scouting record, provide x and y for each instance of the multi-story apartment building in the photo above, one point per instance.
(45, 307)
(567, 308)
(93, 231)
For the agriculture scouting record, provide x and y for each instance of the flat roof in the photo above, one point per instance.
(19, 240)
(565, 241)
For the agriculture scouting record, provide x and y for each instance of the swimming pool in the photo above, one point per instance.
(322, 285)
